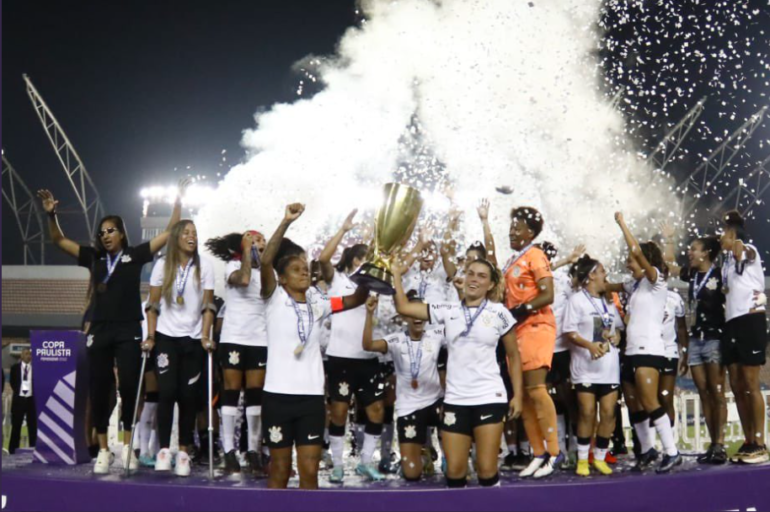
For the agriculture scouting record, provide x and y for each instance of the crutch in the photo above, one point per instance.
(136, 412)
(211, 415)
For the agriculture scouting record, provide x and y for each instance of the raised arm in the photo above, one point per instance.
(668, 232)
(411, 256)
(325, 259)
(577, 252)
(369, 344)
(241, 278)
(57, 237)
(515, 372)
(741, 252)
(416, 310)
(157, 243)
(448, 252)
(489, 240)
(650, 272)
(267, 272)
(355, 300)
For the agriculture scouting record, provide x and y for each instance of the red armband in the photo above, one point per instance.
(338, 304)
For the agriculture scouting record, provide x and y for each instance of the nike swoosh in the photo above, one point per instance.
(162, 372)
(378, 394)
(312, 438)
(262, 365)
(757, 352)
(137, 339)
(485, 418)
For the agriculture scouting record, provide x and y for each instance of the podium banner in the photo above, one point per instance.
(60, 388)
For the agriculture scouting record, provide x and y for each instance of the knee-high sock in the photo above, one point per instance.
(254, 418)
(662, 424)
(386, 443)
(601, 449)
(146, 426)
(645, 434)
(561, 429)
(372, 435)
(583, 448)
(546, 417)
(337, 444)
(532, 426)
(229, 414)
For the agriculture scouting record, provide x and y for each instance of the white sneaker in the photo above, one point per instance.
(550, 466)
(133, 464)
(182, 464)
(163, 461)
(103, 462)
(534, 466)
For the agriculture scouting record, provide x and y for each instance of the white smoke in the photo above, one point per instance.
(508, 93)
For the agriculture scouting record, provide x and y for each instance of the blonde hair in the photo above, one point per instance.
(173, 259)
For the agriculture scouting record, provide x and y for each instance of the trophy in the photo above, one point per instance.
(393, 226)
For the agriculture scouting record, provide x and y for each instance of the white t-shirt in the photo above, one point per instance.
(646, 309)
(288, 374)
(674, 309)
(347, 327)
(473, 375)
(562, 290)
(583, 315)
(179, 321)
(743, 290)
(245, 320)
(429, 390)
(432, 285)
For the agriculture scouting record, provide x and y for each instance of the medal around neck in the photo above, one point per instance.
(396, 220)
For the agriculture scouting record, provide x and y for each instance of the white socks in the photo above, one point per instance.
(228, 428)
(146, 427)
(583, 450)
(600, 454)
(666, 433)
(337, 446)
(254, 418)
(370, 444)
(646, 435)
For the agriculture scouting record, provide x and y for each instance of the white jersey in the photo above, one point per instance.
(287, 373)
(245, 320)
(185, 320)
(429, 391)
(745, 288)
(473, 375)
(674, 310)
(326, 328)
(562, 291)
(646, 309)
(145, 330)
(431, 285)
(348, 327)
(583, 315)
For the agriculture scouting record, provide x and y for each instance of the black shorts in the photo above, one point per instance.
(413, 428)
(242, 357)
(598, 390)
(463, 419)
(670, 367)
(387, 370)
(150, 366)
(359, 377)
(443, 358)
(289, 420)
(560, 368)
(745, 341)
(632, 363)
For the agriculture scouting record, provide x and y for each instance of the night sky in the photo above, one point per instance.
(145, 89)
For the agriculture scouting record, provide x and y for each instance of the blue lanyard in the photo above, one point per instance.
(112, 265)
(182, 276)
(414, 359)
(514, 260)
(470, 321)
(697, 287)
(606, 318)
(423, 287)
(302, 331)
(726, 271)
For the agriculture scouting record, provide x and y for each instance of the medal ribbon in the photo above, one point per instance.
(414, 359)
(182, 276)
(470, 321)
(111, 266)
(302, 331)
(606, 318)
(514, 259)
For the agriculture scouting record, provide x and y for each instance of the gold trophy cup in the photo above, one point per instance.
(394, 225)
